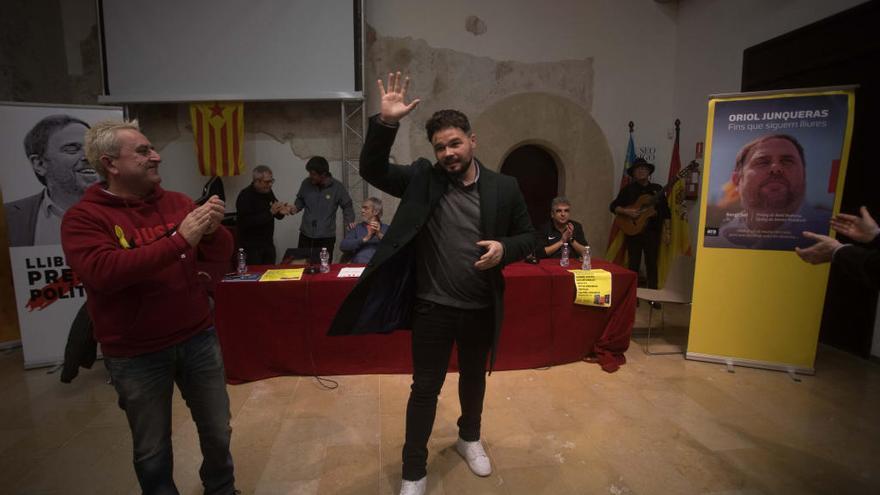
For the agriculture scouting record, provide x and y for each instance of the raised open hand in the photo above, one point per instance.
(394, 106)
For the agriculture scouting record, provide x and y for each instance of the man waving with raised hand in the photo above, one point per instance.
(438, 269)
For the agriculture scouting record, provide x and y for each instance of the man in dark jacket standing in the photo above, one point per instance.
(438, 270)
(257, 208)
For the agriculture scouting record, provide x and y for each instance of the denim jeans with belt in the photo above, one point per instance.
(145, 385)
(435, 328)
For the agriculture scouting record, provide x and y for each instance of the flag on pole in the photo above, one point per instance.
(218, 131)
(616, 251)
(680, 242)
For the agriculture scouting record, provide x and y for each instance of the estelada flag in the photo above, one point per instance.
(616, 251)
(218, 131)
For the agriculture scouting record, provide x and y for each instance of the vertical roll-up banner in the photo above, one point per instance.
(43, 172)
(775, 167)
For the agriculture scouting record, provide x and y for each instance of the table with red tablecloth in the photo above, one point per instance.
(280, 328)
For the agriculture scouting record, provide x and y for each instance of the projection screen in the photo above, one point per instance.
(203, 50)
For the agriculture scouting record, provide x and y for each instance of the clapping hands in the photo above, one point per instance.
(862, 228)
(374, 229)
(202, 221)
(282, 208)
(568, 232)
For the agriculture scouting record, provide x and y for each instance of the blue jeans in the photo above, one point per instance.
(435, 329)
(145, 385)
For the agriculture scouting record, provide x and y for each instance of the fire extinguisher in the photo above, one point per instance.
(692, 182)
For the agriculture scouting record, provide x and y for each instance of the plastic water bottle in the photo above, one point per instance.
(242, 262)
(586, 265)
(325, 260)
(563, 255)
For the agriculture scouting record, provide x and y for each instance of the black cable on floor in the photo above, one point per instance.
(325, 383)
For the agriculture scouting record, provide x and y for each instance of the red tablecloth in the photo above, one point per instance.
(279, 328)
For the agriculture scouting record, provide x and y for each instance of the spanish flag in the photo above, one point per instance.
(616, 251)
(680, 242)
(218, 131)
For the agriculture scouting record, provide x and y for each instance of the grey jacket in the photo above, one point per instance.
(319, 205)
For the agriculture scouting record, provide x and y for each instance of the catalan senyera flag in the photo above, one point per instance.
(680, 241)
(218, 131)
(616, 252)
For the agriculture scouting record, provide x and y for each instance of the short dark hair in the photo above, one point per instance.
(319, 165)
(37, 138)
(746, 150)
(444, 119)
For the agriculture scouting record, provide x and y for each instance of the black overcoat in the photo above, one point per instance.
(382, 300)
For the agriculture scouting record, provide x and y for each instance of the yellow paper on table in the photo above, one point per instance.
(593, 287)
(282, 275)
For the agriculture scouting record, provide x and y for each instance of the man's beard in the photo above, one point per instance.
(465, 166)
(789, 202)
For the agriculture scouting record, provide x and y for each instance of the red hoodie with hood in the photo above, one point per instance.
(140, 275)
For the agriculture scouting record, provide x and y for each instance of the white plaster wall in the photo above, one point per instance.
(632, 43)
(710, 39)
(652, 63)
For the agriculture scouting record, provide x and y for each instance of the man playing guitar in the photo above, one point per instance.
(645, 204)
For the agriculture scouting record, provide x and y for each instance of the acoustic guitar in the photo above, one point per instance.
(646, 206)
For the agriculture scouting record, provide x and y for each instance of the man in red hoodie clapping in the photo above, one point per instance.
(135, 246)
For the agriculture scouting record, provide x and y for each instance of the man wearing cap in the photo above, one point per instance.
(648, 240)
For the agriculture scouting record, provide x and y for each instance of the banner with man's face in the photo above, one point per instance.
(774, 169)
(43, 174)
(775, 163)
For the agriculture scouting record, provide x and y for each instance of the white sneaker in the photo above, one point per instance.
(475, 456)
(414, 487)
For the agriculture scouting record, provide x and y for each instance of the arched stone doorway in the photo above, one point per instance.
(538, 176)
(571, 136)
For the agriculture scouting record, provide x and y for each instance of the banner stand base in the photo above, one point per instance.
(750, 363)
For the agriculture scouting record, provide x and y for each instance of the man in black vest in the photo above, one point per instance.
(438, 270)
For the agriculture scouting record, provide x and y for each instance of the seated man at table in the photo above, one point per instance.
(561, 229)
(361, 241)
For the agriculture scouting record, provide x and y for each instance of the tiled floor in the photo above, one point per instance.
(660, 425)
